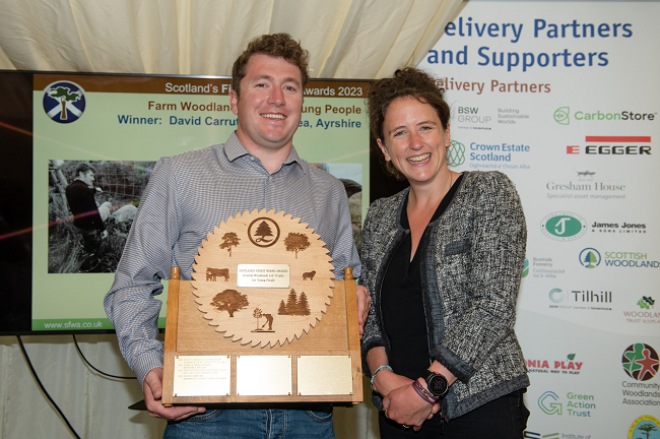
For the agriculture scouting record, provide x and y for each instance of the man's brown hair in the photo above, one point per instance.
(278, 45)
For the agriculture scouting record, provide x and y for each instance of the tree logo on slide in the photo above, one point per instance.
(640, 361)
(64, 101)
(646, 427)
(455, 154)
(562, 115)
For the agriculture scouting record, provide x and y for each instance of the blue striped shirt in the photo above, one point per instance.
(187, 196)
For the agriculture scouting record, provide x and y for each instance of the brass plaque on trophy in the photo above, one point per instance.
(262, 298)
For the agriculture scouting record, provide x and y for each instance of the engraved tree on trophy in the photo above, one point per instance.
(230, 240)
(263, 231)
(230, 301)
(296, 242)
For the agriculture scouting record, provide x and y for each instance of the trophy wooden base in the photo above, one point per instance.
(201, 366)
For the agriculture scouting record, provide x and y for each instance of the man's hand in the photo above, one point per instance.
(363, 305)
(153, 391)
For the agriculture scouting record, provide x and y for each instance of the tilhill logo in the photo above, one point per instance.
(64, 101)
(580, 299)
(640, 361)
(455, 154)
(563, 226)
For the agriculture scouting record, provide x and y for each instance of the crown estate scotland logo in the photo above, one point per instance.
(455, 154)
(64, 101)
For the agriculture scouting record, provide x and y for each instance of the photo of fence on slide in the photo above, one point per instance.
(117, 188)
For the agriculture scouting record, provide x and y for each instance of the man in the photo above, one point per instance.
(86, 217)
(187, 195)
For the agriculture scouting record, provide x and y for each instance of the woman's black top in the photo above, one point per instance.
(402, 307)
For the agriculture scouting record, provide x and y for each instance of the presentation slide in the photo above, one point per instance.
(96, 141)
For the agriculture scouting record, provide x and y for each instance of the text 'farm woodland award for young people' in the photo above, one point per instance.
(262, 319)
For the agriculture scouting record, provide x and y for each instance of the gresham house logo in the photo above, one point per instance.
(562, 116)
(590, 258)
(64, 101)
(563, 226)
(640, 362)
(613, 146)
(644, 427)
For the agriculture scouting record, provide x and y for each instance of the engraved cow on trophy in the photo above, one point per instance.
(213, 273)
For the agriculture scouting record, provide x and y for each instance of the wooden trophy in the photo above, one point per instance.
(262, 319)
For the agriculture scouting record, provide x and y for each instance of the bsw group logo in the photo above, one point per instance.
(64, 101)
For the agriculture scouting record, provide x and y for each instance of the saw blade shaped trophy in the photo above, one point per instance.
(262, 279)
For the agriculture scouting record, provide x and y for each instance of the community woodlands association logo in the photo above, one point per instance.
(590, 258)
(64, 101)
(563, 226)
(640, 361)
(455, 154)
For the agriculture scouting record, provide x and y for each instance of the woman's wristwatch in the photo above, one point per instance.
(437, 383)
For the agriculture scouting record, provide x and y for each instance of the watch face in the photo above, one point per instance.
(438, 385)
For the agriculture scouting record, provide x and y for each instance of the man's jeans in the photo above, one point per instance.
(253, 424)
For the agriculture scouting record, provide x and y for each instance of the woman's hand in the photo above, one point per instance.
(405, 406)
(386, 381)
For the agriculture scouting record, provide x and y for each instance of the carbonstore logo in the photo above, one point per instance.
(562, 116)
(563, 226)
(455, 154)
(64, 101)
(590, 258)
(640, 361)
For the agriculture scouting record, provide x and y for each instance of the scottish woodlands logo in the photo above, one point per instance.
(640, 361)
(64, 101)
(563, 226)
(455, 154)
(590, 258)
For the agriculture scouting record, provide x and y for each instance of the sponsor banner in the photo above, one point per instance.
(534, 90)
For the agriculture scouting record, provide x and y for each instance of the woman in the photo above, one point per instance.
(442, 261)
